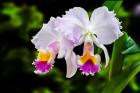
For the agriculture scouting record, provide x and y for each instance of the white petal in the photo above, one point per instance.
(61, 52)
(65, 46)
(78, 13)
(73, 24)
(95, 40)
(71, 62)
(105, 25)
(45, 36)
(70, 30)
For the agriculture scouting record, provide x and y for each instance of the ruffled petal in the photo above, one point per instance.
(78, 13)
(71, 62)
(46, 35)
(89, 64)
(42, 67)
(95, 40)
(44, 62)
(68, 28)
(74, 24)
(89, 68)
(105, 25)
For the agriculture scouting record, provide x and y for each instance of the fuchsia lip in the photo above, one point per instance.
(89, 68)
(88, 63)
(42, 67)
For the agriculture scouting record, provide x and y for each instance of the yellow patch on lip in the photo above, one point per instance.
(44, 56)
(87, 56)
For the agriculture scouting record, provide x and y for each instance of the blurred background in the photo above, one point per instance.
(22, 19)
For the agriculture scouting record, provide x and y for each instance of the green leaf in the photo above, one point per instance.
(131, 59)
(122, 13)
(131, 47)
(128, 61)
(134, 84)
(117, 57)
(113, 5)
(117, 84)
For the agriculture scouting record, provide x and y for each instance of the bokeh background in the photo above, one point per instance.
(22, 19)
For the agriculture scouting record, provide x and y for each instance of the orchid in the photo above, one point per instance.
(49, 43)
(102, 28)
(75, 44)
(60, 35)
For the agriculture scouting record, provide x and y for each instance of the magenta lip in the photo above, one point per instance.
(42, 67)
(89, 68)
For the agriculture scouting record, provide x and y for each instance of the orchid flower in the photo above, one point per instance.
(102, 28)
(88, 62)
(49, 43)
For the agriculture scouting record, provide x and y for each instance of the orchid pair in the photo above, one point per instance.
(60, 35)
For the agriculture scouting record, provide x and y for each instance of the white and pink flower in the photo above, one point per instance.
(52, 42)
(73, 29)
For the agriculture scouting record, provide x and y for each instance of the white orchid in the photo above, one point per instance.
(102, 28)
(60, 35)
(49, 43)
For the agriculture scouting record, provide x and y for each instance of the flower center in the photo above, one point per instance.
(89, 36)
(44, 56)
(87, 54)
(86, 57)
(89, 33)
